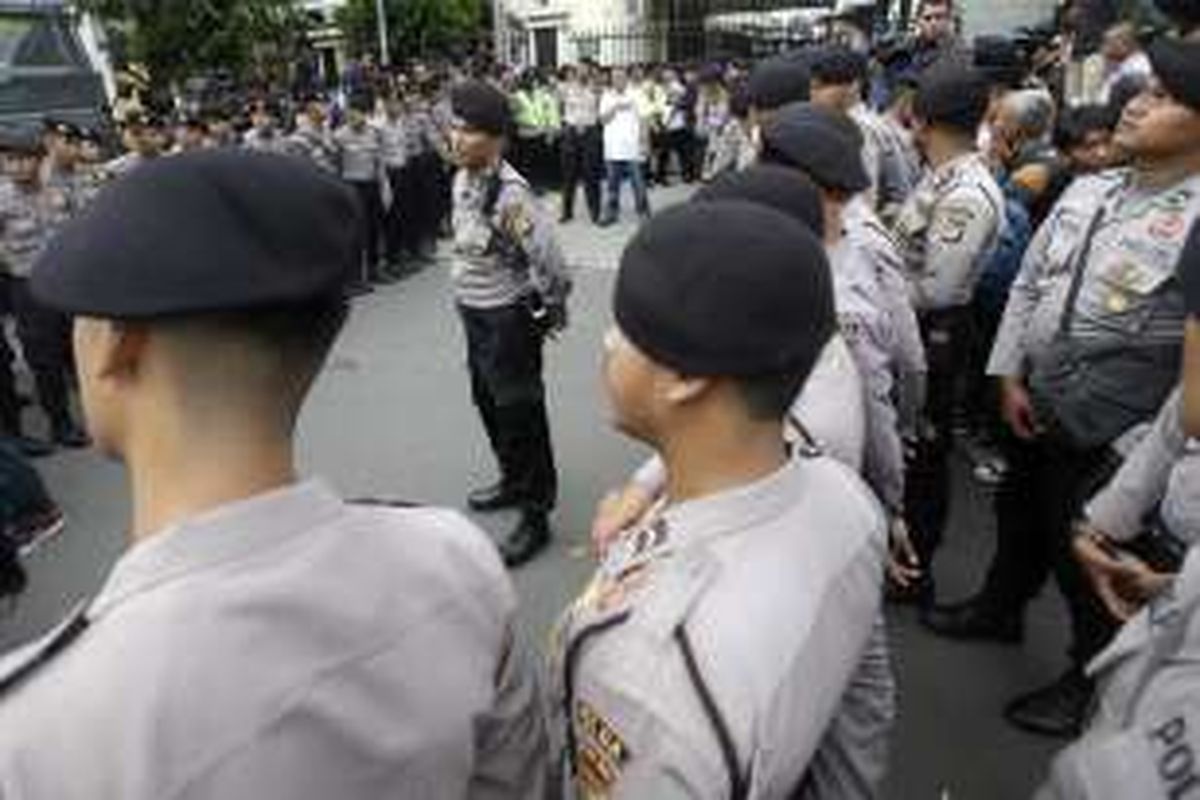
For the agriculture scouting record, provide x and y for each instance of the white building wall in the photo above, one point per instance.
(992, 17)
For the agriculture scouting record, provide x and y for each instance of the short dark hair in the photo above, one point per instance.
(301, 333)
(1076, 123)
(770, 396)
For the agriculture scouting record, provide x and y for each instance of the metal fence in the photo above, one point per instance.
(675, 43)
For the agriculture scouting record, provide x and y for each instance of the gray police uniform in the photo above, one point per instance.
(1143, 739)
(360, 165)
(666, 688)
(485, 277)
(1162, 472)
(899, 168)
(868, 232)
(314, 144)
(28, 221)
(289, 645)
(883, 336)
(266, 141)
(948, 228)
(1122, 298)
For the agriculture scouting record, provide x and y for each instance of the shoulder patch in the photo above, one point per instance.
(601, 755)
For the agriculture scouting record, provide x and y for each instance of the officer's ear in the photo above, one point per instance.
(118, 349)
(680, 390)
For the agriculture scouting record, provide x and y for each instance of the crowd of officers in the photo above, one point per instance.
(801, 344)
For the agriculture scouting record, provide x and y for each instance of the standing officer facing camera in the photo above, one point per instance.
(511, 286)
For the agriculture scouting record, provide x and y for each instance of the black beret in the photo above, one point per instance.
(839, 65)
(219, 230)
(953, 94)
(726, 288)
(1189, 269)
(481, 106)
(777, 187)
(778, 81)
(1177, 65)
(61, 127)
(825, 144)
(20, 141)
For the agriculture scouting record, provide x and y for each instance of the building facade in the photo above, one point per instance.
(549, 33)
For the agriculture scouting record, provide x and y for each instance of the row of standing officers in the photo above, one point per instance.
(243, 648)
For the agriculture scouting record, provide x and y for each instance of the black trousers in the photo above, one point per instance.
(1047, 483)
(45, 336)
(504, 358)
(405, 217)
(679, 143)
(947, 338)
(427, 205)
(372, 219)
(582, 162)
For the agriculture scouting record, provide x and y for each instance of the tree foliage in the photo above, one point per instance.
(175, 39)
(416, 28)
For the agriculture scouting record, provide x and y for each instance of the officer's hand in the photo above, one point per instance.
(1123, 582)
(557, 319)
(1017, 408)
(617, 512)
(904, 567)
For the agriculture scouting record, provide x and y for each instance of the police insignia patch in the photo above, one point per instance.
(952, 224)
(516, 221)
(1168, 227)
(601, 755)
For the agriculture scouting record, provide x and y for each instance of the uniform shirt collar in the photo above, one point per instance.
(695, 522)
(226, 534)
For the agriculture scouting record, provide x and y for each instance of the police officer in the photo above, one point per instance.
(393, 146)
(312, 138)
(68, 167)
(260, 638)
(948, 228)
(360, 163)
(773, 84)
(839, 78)
(141, 141)
(663, 683)
(511, 286)
(1088, 349)
(826, 146)
(1147, 676)
(30, 214)
(829, 412)
(264, 134)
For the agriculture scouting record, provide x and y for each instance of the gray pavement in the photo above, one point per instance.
(392, 417)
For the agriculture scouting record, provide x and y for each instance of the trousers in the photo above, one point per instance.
(504, 360)
(581, 163)
(1047, 483)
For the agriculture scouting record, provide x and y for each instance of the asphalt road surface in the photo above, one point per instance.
(392, 418)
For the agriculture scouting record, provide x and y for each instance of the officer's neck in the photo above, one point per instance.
(177, 475)
(710, 459)
(1165, 173)
(943, 148)
(489, 167)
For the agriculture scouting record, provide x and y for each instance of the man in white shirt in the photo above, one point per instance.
(624, 148)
